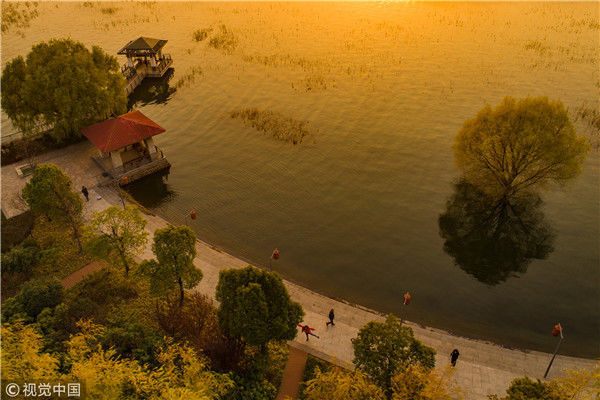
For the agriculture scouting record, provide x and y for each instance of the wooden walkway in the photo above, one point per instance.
(292, 375)
(80, 274)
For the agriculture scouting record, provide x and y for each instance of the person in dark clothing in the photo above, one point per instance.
(453, 357)
(308, 331)
(85, 193)
(331, 317)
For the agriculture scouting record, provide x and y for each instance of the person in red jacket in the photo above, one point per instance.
(308, 331)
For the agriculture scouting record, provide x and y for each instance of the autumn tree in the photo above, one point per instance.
(118, 235)
(175, 249)
(526, 388)
(49, 193)
(182, 373)
(62, 86)
(34, 296)
(577, 384)
(256, 306)
(22, 356)
(381, 349)
(414, 382)
(518, 145)
(337, 384)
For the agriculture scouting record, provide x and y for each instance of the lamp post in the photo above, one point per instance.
(191, 215)
(274, 256)
(406, 302)
(556, 331)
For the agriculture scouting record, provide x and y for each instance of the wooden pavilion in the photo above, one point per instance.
(126, 146)
(145, 58)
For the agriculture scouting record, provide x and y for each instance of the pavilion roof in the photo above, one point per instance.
(121, 131)
(143, 45)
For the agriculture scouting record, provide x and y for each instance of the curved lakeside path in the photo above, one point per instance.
(483, 368)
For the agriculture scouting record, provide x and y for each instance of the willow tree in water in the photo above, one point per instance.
(520, 145)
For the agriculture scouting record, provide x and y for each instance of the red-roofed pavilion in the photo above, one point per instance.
(125, 144)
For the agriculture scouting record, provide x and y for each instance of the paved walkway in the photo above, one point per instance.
(80, 274)
(483, 368)
(292, 375)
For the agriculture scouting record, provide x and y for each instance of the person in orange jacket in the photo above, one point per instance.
(308, 331)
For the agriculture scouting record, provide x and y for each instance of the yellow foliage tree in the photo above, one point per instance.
(183, 374)
(417, 383)
(341, 385)
(581, 384)
(22, 359)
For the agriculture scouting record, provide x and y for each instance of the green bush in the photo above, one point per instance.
(132, 340)
(249, 389)
(21, 259)
(35, 295)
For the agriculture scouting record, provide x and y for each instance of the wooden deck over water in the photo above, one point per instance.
(142, 70)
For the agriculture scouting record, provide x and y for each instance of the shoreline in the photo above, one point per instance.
(349, 303)
(483, 368)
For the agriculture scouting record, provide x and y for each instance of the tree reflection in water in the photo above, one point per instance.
(152, 91)
(494, 239)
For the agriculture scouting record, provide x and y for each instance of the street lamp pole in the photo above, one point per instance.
(406, 303)
(274, 256)
(556, 331)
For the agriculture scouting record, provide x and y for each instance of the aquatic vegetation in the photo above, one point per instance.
(189, 77)
(284, 60)
(202, 34)
(224, 40)
(109, 10)
(314, 82)
(18, 15)
(278, 126)
(591, 117)
(537, 46)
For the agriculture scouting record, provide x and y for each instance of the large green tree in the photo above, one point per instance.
(174, 248)
(256, 306)
(49, 193)
(62, 86)
(119, 235)
(518, 145)
(382, 348)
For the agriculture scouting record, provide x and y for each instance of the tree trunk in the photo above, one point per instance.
(76, 236)
(124, 263)
(180, 291)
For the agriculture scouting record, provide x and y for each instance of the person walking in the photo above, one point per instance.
(85, 193)
(331, 317)
(453, 357)
(308, 331)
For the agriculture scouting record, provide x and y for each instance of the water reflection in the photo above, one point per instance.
(152, 91)
(154, 189)
(494, 239)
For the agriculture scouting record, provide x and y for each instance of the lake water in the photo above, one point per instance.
(385, 87)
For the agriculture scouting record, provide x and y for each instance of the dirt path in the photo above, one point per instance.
(292, 375)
